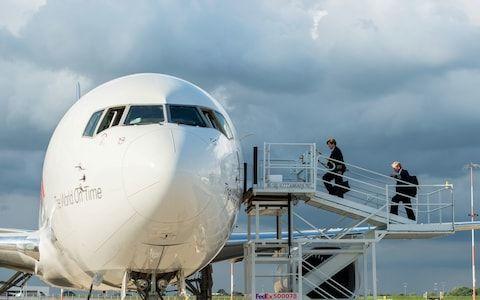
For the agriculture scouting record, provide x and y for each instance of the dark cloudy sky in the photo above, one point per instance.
(389, 79)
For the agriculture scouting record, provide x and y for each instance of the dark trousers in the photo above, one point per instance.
(406, 202)
(333, 189)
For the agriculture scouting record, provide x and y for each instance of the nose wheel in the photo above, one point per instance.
(150, 289)
(153, 286)
(148, 292)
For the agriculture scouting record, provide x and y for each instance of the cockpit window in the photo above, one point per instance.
(187, 115)
(92, 124)
(145, 114)
(111, 118)
(224, 127)
(217, 121)
(210, 116)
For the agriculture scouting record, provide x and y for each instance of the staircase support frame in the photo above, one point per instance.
(292, 254)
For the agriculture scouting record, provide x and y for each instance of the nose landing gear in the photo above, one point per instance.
(153, 286)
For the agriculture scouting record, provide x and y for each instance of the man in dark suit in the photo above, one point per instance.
(402, 191)
(335, 170)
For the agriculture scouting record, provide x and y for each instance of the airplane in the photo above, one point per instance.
(140, 189)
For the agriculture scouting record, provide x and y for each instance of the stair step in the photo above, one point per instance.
(354, 210)
(329, 268)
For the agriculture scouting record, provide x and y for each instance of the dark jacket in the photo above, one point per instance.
(333, 165)
(401, 186)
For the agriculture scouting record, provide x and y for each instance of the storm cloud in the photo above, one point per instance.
(391, 80)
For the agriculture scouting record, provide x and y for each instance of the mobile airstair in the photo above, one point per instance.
(319, 265)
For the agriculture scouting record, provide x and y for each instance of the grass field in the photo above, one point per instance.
(360, 298)
(391, 297)
(235, 298)
(394, 297)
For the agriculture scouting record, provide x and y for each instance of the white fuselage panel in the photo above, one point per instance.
(157, 197)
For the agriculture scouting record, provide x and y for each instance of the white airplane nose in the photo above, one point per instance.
(166, 175)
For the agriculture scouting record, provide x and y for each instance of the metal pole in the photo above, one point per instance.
(387, 200)
(428, 209)
(365, 272)
(232, 264)
(246, 268)
(472, 166)
(314, 153)
(299, 270)
(257, 221)
(472, 218)
(374, 270)
(440, 205)
(290, 229)
(418, 210)
(279, 226)
(153, 285)
(253, 275)
(181, 285)
(255, 166)
(249, 227)
(244, 177)
(452, 200)
(266, 171)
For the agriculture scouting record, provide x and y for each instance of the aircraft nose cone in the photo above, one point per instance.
(162, 178)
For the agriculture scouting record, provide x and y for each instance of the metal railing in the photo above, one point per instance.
(329, 288)
(434, 204)
(288, 274)
(298, 168)
(284, 170)
(295, 272)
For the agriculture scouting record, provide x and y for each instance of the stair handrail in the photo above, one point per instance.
(448, 185)
(378, 196)
(363, 169)
(354, 190)
(365, 176)
(351, 178)
(404, 183)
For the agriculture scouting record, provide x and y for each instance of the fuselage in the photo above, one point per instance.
(142, 174)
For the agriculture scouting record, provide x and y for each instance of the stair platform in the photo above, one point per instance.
(271, 202)
(419, 231)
